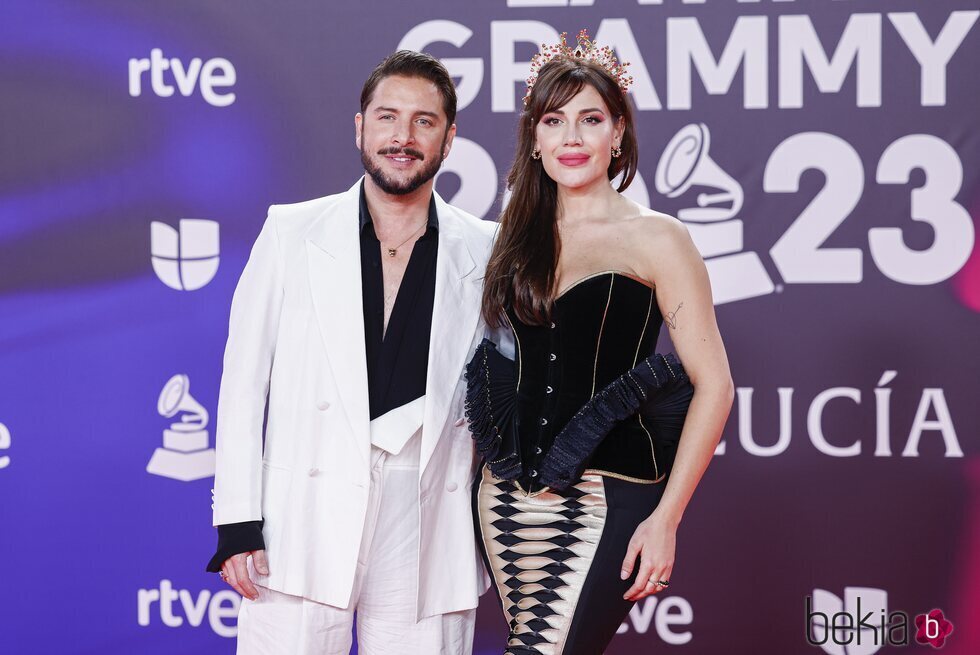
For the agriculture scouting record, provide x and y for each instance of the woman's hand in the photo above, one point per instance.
(653, 542)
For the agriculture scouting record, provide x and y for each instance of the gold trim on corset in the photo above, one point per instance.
(517, 345)
(653, 454)
(643, 332)
(635, 278)
(598, 342)
(636, 356)
(620, 476)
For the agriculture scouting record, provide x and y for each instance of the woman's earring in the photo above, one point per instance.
(616, 151)
(535, 154)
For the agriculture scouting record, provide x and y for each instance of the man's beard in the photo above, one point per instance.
(393, 187)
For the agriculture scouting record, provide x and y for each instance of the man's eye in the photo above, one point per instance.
(385, 117)
(425, 121)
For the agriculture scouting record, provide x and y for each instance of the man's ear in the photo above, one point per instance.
(450, 134)
(358, 129)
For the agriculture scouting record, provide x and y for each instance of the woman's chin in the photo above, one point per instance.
(579, 182)
(573, 180)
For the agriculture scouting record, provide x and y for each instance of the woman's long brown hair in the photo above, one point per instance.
(521, 270)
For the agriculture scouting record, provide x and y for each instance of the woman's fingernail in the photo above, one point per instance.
(623, 574)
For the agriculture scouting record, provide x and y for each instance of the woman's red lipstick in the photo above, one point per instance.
(576, 159)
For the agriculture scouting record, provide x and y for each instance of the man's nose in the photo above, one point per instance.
(404, 134)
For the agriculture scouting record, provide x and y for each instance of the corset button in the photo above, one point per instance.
(533, 473)
(537, 450)
(544, 421)
(549, 389)
(554, 356)
(552, 325)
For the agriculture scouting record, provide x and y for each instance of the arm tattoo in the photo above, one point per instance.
(671, 318)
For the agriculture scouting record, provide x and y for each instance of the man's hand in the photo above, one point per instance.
(235, 572)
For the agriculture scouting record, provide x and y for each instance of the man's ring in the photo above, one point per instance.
(663, 583)
(224, 576)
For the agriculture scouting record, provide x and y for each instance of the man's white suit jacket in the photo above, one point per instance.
(296, 333)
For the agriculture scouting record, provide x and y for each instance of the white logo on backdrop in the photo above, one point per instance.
(932, 402)
(686, 163)
(217, 73)
(186, 259)
(219, 606)
(859, 603)
(185, 454)
(664, 613)
(799, 254)
(4, 445)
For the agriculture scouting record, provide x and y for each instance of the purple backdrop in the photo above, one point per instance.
(833, 145)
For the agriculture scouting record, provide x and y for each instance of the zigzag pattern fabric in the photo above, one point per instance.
(541, 547)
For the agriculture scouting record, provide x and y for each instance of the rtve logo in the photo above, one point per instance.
(211, 74)
(220, 608)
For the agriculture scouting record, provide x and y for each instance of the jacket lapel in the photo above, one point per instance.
(333, 256)
(455, 314)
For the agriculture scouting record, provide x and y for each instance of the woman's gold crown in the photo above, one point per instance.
(584, 49)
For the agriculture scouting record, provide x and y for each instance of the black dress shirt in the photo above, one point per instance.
(397, 359)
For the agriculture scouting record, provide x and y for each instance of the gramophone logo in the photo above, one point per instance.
(710, 218)
(185, 259)
(185, 454)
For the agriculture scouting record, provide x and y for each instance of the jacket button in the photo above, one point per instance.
(313, 472)
(452, 486)
(460, 422)
(322, 405)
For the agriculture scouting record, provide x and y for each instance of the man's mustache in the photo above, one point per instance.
(412, 152)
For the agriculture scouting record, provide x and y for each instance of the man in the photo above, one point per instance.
(357, 313)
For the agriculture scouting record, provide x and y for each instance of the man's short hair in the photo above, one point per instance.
(409, 63)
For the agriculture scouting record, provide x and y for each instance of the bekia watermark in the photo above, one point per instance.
(861, 622)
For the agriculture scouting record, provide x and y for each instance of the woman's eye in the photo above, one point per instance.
(551, 121)
(595, 120)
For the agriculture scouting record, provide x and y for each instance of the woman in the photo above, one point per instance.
(579, 434)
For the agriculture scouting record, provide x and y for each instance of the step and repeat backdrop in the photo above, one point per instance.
(824, 154)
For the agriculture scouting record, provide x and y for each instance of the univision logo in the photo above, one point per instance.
(186, 258)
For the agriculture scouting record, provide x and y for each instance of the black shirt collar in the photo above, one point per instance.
(365, 214)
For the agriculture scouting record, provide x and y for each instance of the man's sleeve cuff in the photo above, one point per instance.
(235, 538)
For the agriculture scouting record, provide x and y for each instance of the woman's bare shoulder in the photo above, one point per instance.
(645, 224)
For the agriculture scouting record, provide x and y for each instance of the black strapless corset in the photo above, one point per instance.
(586, 393)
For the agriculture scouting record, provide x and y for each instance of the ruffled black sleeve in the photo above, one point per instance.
(491, 399)
(658, 388)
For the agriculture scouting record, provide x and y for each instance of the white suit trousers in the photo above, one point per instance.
(385, 587)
